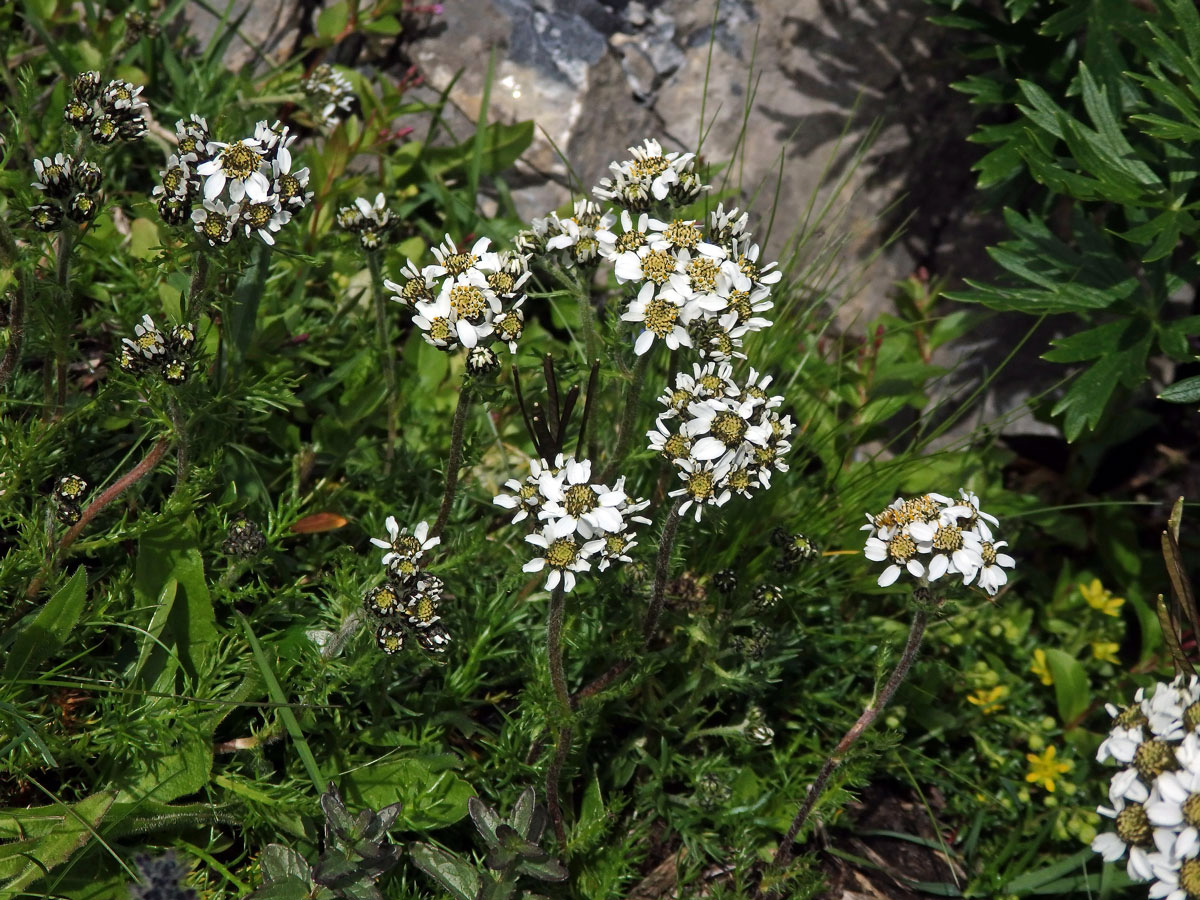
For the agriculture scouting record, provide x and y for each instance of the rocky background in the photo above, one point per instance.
(810, 78)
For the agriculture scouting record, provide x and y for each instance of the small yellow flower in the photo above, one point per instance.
(1106, 651)
(988, 700)
(1044, 769)
(1040, 668)
(1099, 597)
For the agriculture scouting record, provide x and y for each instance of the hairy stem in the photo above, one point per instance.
(385, 352)
(455, 458)
(558, 679)
(93, 509)
(662, 569)
(196, 290)
(63, 317)
(628, 415)
(16, 333)
(587, 318)
(182, 456)
(920, 619)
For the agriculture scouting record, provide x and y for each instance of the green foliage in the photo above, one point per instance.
(1099, 115)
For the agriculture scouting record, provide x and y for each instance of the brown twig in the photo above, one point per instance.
(93, 509)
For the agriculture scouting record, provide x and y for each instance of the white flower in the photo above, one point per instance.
(630, 239)
(563, 554)
(452, 262)
(232, 165)
(274, 141)
(703, 484)
(570, 497)
(473, 304)
(1121, 745)
(747, 261)
(954, 550)
(404, 546)
(262, 212)
(647, 263)
(992, 565)
(526, 496)
(53, 175)
(900, 551)
(1133, 835)
(438, 322)
(723, 427)
(215, 221)
(663, 313)
(175, 180)
(290, 186)
(148, 341)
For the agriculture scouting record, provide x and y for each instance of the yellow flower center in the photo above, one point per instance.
(661, 316)
(676, 447)
(440, 330)
(681, 233)
(700, 485)
(457, 263)
(658, 266)
(901, 548)
(650, 167)
(259, 214)
(1189, 877)
(729, 428)
(1133, 826)
(561, 553)
(1152, 758)
(630, 241)
(579, 499)
(948, 537)
(468, 301)
(501, 282)
(239, 160)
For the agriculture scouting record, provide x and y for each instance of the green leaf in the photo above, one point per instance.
(453, 873)
(169, 577)
(432, 799)
(144, 239)
(279, 862)
(1071, 688)
(486, 820)
(163, 771)
(1092, 343)
(1186, 391)
(332, 20)
(73, 831)
(50, 628)
(1110, 142)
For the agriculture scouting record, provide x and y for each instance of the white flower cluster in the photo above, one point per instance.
(233, 188)
(651, 175)
(698, 284)
(372, 222)
(1154, 800)
(409, 600)
(572, 241)
(466, 297)
(933, 535)
(724, 438)
(332, 94)
(573, 520)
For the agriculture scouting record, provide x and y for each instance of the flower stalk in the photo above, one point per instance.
(385, 351)
(916, 632)
(662, 569)
(558, 679)
(629, 414)
(454, 461)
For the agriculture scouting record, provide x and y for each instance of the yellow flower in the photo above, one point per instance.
(1099, 597)
(1040, 667)
(1044, 768)
(988, 700)
(1106, 651)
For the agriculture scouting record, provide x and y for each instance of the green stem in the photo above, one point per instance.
(196, 290)
(455, 458)
(558, 678)
(662, 568)
(182, 456)
(629, 414)
(62, 317)
(16, 332)
(587, 319)
(920, 619)
(385, 351)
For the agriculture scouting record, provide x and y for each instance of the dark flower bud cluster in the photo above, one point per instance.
(68, 496)
(408, 602)
(169, 353)
(69, 188)
(244, 539)
(108, 115)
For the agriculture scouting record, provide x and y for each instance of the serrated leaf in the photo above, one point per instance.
(454, 874)
(1095, 342)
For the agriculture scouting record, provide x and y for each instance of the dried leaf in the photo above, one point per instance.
(324, 521)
